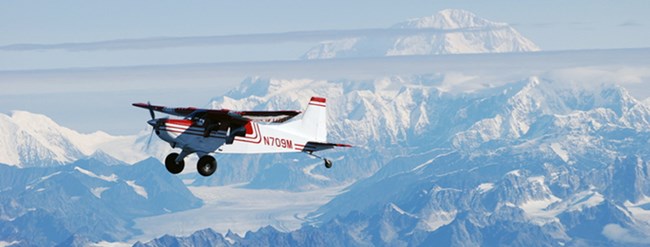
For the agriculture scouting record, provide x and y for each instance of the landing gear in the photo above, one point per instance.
(328, 163)
(172, 165)
(206, 166)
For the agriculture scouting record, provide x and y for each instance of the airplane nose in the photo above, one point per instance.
(153, 122)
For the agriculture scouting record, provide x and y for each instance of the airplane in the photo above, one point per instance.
(207, 131)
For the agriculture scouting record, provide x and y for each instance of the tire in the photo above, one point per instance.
(206, 166)
(172, 166)
(328, 164)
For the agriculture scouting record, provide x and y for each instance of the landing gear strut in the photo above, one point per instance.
(172, 165)
(206, 166)
(327, 162)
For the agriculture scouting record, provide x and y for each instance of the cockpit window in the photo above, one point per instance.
(197, 117)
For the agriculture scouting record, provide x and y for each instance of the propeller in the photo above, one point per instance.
(153, 122)
(151, 113)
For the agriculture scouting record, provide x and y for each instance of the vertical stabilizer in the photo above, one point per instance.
(314, 119)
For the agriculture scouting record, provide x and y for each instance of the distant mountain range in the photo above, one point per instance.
(449, 31)
(536, 162)
(86, 201)
(34, 140)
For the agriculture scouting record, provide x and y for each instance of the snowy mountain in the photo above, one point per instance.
(85, 201)
(449, 31)
(541, 162)
(566, 163)
(29, 140)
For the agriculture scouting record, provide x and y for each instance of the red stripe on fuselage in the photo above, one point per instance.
(183, 122)
(256, 140)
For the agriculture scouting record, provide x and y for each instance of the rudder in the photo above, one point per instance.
(314, 120)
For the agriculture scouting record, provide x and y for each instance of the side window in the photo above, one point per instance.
(200, 121)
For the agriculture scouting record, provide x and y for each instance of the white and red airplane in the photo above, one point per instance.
(207, 131)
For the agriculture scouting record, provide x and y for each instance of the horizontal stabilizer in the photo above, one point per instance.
(319, 146)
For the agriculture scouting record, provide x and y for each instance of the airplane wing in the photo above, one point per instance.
(319, 146)
(224, 114)
(177, 111)
(269, 116)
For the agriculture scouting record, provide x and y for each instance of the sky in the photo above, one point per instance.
(247, 32)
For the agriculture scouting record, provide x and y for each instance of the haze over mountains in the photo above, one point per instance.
(551, 158)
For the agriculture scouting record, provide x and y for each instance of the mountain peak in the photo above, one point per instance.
(450, 31)
(37, 140)
(449, 19)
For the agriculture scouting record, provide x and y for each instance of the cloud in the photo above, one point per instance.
(628, 67)
(619, 234)
(262, 38)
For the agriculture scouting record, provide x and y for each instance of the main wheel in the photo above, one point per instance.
(172, 166)
(207, 165)
(328, 164)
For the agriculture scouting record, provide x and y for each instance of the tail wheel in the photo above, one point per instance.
(328, 164)
(172, 166)
(206, 166)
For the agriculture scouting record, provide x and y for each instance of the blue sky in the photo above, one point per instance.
(552, 24)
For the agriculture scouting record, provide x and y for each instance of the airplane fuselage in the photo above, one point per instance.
(258, 138)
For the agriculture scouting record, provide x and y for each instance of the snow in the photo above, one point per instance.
(538, 208)
(428, 162)
(237, 209)
(557, 148)
(31, 186)
(7, 244)
(49, 176)
(516, 172)
(546, 210)
(111, 178)
(110, 244)
(307, 171)
(138, 189)
(230, 240)
(98, 191)
(438, 219)
(400, 210)
(586, 200)
(485, 187)
(641, 209)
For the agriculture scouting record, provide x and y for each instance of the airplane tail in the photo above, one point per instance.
(313, 123)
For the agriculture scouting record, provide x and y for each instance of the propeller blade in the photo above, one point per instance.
(153, 116)
(149, 141)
